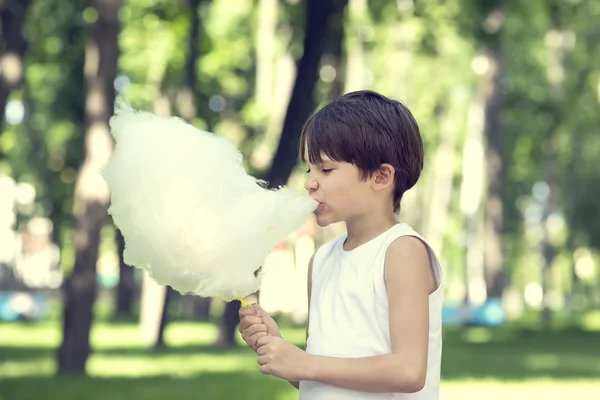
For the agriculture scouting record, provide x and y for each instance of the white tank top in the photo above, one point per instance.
(349, 313)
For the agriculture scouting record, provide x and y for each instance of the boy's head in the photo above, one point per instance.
(368, 130)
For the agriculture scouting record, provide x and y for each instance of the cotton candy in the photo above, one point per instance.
(189, 213)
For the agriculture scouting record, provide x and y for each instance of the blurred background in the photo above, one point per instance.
(507, 94)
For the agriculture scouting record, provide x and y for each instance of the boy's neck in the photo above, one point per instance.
(362, 230)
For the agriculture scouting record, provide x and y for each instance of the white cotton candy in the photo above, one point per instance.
(190, 214)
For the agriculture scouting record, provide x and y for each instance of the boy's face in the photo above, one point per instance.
(342, 196)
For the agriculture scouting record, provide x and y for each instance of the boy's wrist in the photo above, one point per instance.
(310, 367)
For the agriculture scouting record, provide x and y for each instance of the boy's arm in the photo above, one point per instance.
(309, 285)
(409, 281)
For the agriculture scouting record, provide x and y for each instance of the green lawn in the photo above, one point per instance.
(478, 363)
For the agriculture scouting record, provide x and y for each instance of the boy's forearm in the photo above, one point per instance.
(385, 373)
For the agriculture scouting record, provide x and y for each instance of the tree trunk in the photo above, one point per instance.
(186, 103)
(494, 203)
(12, 49)
(159, 341)
(557, 50)
(548, 255)
(152, 305)
(91, 191)
(494, 217)
(126, 288)
(317, 31)
(471, 195)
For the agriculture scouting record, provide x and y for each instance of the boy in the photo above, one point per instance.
(375, 293)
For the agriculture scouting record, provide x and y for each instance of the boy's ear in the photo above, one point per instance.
(384, 177)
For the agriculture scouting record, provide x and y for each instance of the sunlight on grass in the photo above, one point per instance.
(48, 334)
(179, 365)
(106, 336)
(43, 365)
(478, 335)
(41, 334)
(542, 361)
(550, 362)
(591, 321)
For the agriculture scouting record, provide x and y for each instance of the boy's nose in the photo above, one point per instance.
(311, 184)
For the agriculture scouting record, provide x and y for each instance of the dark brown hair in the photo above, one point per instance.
(367, 129)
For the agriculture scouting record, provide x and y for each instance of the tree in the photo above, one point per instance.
(320, 25)
(489, 32)
(334, 50)
(186, 102)
(91, 191)
(126, 286)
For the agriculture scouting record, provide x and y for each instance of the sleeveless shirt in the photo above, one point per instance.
(349, 313)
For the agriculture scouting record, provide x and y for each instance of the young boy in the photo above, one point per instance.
(375, 293)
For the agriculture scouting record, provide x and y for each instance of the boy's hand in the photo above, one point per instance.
(282, 359)
(256, 323)
(251, 327)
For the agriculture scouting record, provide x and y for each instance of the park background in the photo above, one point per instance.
(507, 95)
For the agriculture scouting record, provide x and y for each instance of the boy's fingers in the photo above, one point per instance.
(248, 321)
(248, 332)
(261, 351)
(257, 308)
(244, 311)
(253, 340)
(262, 360)
(256, 328)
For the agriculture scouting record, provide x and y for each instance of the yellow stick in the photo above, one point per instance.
(243, 302)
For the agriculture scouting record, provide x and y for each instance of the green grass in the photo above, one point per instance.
(478, 363)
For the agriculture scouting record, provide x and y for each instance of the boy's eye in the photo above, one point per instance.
(324, 170)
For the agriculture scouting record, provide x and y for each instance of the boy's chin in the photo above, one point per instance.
(323, 221)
